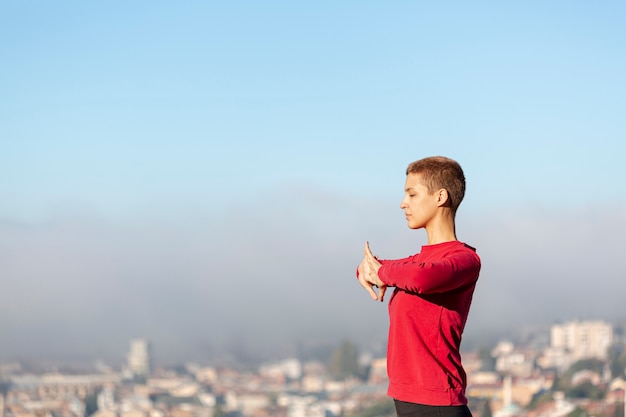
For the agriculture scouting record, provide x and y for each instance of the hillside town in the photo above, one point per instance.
(575, 370)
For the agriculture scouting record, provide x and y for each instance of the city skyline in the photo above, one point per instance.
(579, 368)
(139, 356)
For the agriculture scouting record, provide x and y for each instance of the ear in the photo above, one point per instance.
(443, 198)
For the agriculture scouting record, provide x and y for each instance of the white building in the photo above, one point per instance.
(288, 368)
(139, 358)
(583, 339)
(513, 361)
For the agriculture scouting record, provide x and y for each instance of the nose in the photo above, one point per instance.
(403, 204)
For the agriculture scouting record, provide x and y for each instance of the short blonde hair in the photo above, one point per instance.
(440, 172)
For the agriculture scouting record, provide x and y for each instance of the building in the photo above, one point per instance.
(583, 339)
(139, 361)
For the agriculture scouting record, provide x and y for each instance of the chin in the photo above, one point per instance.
(414, 226)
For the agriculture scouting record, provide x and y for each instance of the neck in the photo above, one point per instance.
(441, 230)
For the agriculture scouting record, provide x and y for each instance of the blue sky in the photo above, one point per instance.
(274, 117)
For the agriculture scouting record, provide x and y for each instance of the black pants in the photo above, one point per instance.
(404, 409)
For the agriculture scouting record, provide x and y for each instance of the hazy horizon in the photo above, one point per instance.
(86, 286)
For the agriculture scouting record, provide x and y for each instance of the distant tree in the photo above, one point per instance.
(539, 398)
(344, 362)
(488, 362)
(485, 409)
(140, 379)
(577, 412)
(617, 361)
(181, 370)
(385, 408)
(5, 385)
(218, 411)
(564, 382)
(321, 352)
(585, 390)
(91, 403)
(595, 365)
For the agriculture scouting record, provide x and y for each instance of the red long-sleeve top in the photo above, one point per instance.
(428, 311)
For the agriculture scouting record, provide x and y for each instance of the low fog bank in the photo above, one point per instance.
(278, 275)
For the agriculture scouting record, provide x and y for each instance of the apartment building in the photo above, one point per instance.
(583, 339)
